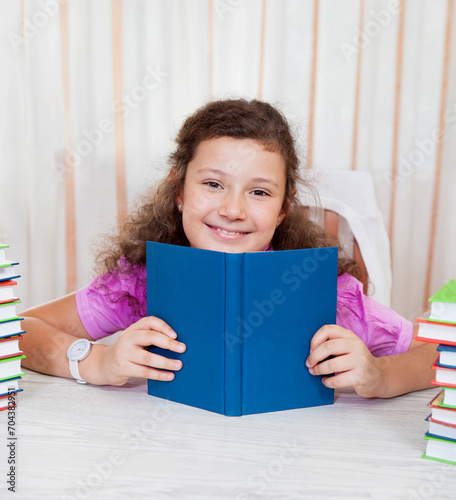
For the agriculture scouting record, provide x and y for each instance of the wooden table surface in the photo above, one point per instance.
(87, 442)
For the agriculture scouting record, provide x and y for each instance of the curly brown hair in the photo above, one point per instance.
(157, 217)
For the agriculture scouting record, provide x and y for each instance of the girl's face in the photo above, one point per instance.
(233, 196)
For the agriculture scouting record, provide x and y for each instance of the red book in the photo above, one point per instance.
(444, 376)
(9, 347)
(8, 310)
(442, 413)
(5, 403)
(435, 331)
(6, 291)
(441, 429)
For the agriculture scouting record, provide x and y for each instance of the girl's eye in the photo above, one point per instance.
(260, 192)
(213, 184)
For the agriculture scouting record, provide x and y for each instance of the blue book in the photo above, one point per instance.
(247, 320)
(447, 357)
(7, 270)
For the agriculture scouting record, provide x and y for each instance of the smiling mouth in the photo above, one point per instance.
(226, 232)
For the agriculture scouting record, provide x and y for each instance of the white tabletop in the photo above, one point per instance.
(87, 442)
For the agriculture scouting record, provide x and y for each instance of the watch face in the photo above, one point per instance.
(78, 350)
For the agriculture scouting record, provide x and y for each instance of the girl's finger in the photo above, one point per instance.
(142, 371)
(339, 381)
(337, 364)
(153, 360)
(145, 338)
(328, 332)
(157, 324)
(333, 347)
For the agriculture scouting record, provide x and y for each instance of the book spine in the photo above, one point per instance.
(234, 264)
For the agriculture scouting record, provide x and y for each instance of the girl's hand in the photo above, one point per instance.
(352, 363)
(128, 356)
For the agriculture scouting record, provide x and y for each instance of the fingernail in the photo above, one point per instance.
(307, 363)
(311, 371)
(177, 364)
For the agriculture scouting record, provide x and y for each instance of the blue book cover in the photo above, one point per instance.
(446, 348)
(247, 320)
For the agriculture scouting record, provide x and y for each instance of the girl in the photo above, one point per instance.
(231, 188)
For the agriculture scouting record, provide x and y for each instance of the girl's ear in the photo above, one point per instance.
(286, 208)
(172, 174)
(179, 196)
(283, 212)
(179, 199)
(173, 177)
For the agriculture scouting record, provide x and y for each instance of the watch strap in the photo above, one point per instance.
(74, 370)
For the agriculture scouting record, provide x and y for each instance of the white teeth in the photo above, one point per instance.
(227, 232)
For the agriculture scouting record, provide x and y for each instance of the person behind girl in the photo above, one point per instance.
(231, 188)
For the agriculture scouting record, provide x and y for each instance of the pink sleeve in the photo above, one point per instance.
(104, 308)
(382, 330)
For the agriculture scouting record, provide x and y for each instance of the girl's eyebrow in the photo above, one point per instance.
(262, 180)
(256, 180)
(211, 171)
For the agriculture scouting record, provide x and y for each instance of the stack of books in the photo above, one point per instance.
(10, 331)
(439, 326)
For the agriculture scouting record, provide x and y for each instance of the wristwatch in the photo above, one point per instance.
(78, 351)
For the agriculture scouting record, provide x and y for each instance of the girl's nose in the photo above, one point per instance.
(232, 206)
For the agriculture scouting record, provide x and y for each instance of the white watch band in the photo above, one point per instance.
(74, 370)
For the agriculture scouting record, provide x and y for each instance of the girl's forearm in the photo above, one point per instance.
(45, 347)
(406, 372)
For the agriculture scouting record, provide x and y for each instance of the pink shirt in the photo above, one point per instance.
(381, 329)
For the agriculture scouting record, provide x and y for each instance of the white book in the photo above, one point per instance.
(11, 367)
(6, 291)
(10, 346)
(443, 303)
(447, 355)
(440, 413)
(444, 376)
(10, 327)
(443, 311)
(437, 332)
(8, 386)
(8, 272)
(440, 449)
(431, 331)
(3, 258)
(5, 404)
(449, 397)
(441, 430)
(8, 310)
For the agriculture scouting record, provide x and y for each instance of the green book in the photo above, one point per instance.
(441, 450)
(8, 310)
(443, 304)
(11, 367)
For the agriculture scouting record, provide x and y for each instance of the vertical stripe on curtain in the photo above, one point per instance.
(70, 218)
(211, 48)
(313, 81)
(396, 125)
(263, 31)
(357, 92)
(119, 140)
(29, 208)
(438, 161)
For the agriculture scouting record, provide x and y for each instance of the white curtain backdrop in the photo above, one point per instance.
(176, 55)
